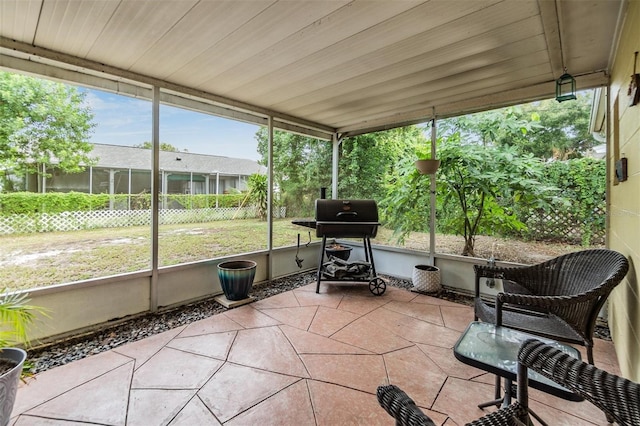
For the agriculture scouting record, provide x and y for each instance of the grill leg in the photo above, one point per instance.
(368, 252)
(320, 263)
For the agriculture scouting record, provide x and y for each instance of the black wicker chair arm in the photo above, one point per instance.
(489, 271)
(542, 301)
(618, 397)
(402, 408)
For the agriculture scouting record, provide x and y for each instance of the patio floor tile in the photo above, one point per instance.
(293, 405)
(213, 324)
(337, 405)
(214, 345)
(156, 406)
(299, 317)
(102, 400)
(267, 348)
(328, 321)
(249, 317)
(174, 369)
(416, 374)
(305, 342)
(361, 333)
(195, 413)
(228, 393)
(362, 372)
(299, 358)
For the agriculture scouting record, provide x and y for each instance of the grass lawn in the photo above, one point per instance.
(37, 260)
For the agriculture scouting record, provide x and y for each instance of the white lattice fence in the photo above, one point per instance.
(75, 221)
(566, 227)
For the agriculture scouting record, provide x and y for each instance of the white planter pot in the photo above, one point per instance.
(426, 278)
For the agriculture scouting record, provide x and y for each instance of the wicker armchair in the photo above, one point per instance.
(558, 299)
(617, 397)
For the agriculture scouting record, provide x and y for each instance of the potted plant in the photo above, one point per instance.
(15, 317)
(425, 164)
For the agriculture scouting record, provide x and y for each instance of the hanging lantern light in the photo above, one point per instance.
(565, 87)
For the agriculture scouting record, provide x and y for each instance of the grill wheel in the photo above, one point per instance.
(377, 286)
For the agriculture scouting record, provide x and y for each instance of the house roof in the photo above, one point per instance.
(125, 157)
(344, 66)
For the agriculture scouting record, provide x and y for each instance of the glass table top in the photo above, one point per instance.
(495, 349)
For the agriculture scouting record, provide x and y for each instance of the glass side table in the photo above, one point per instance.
(495, 350)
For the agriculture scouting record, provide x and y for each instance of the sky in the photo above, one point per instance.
(122, 120)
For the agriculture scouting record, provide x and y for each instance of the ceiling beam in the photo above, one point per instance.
(551, 25)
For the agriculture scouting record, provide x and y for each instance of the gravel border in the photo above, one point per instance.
(75, 348)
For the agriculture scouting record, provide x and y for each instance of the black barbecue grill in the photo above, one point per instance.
(347, 219)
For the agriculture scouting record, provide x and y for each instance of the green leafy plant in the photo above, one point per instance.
(16, 315)
(258, 187)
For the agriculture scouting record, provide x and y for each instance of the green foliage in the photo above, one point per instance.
(366, 161)
(489, 127)
(42, 122)
(583, 182)
(301, 166)
(406, 205)
(16, 315)
(259, 190)
(563, 130)
(56, 202)
(480, 185)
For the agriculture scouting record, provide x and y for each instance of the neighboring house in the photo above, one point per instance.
(127, 170)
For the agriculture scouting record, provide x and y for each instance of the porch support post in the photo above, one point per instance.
(270, 198)
(432, 210)
(217, 188)
(155, 184)
(334, 166)
(44, 178)
(91, 180)
(129, 192)
(112, 184)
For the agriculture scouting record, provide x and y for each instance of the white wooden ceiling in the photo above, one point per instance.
(346, 66)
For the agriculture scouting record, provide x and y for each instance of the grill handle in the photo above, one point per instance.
(353, 214)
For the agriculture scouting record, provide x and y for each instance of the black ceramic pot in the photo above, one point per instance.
(339, 251)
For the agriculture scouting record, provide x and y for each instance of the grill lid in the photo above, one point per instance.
(346, 218)
(346, 211)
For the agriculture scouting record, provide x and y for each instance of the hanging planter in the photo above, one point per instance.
(426, 279)
(427, 167)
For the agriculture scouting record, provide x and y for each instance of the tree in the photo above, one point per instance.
(564, 129)
(547, 129)
(258, 193)
(302, 165)
(164, 146)
(479, 186)
(366, 160)
(495, 126)
(42, 122)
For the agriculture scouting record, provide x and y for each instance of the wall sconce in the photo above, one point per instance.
(565, 88)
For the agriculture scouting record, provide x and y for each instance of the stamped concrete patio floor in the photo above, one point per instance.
(297, 358)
